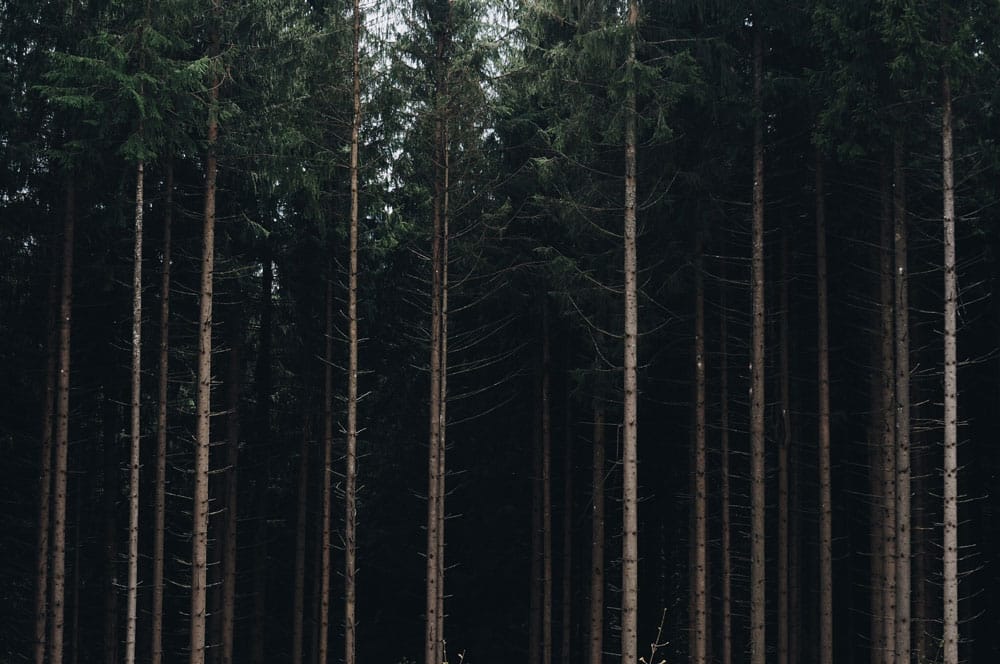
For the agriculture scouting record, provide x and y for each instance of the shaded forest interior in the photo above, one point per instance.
(461, 331)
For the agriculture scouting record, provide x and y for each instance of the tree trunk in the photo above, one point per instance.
(160, 496)
(536, 598)
(324, 583)
(758, 647)
(546, 492)
(700, 649)
(135, 428)
(784, 443)
(109, 436)
(60, 459)
(45, 460)
(888, 417)
(298, 602)
(567, 543)
(200, 508)
(823, 381)
(234, 383)
(950, 579)
(902, 343)
(597, 542)
(725, 573)
(350, 472)
(630, 504)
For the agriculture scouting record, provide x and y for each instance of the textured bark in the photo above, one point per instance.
(758, 645)
(567, 530)
(700, 649)
(823, 382)
(630, 504)
(298, 601)
(887, 418)
(902, 346)
(350, 472)
(322, 641)
(61, 443)
(200, 507)
(45, 462)
(950, 579)
(160, 483)
(135, 426)
(784, 443)
(596, 638)
(725, 574)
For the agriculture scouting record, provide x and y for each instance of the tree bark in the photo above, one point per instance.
(758, 646)
(200, 508)
(888, 416)
(546, 492)
(61, 450)
(597, 541)
(725, 573)
(159, 490)
(298, 601)
(784, 443)
(324, 584)
(823, 382)
(350, 472)
(135, 425)
(630, 523)
(700, 649)
(950, 630)
(567, 543)
(902, 344)
(536, 597)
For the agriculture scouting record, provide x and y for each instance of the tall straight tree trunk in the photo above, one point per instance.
(443, 383)
(324, 572)
(902, 344)
(700, 649)
(45, 460)
(298, 601)
(536, 597)
(823, 382)
(350, 472)
(876, 562)
(234, 383)
(725, 574)
(888, 415)
(546, 492)
(159, 490)
(596, 638)
(109, 437)
(758, 647)
(950, 578)
(784, 443)
(630, 502)
(203, 435)
(61, 450)
(135, 425)
(567, 543)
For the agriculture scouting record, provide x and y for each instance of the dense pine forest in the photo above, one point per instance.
(551, 331)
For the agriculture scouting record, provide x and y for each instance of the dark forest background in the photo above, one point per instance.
(530, 172)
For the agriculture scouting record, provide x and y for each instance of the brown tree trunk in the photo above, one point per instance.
(298, 602)
(758, 646)
(950, 578)
(597, 542)
(203, 436)
(324, 583)
(45, 461)
(159, 489)
(887, 418)
(725, 573)
(350, 472)
(630, 503)
(902, 343)
(700, 649)
(784, 443)
(823, 381)
(61, 450)
(135, 426)
(546, 493)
